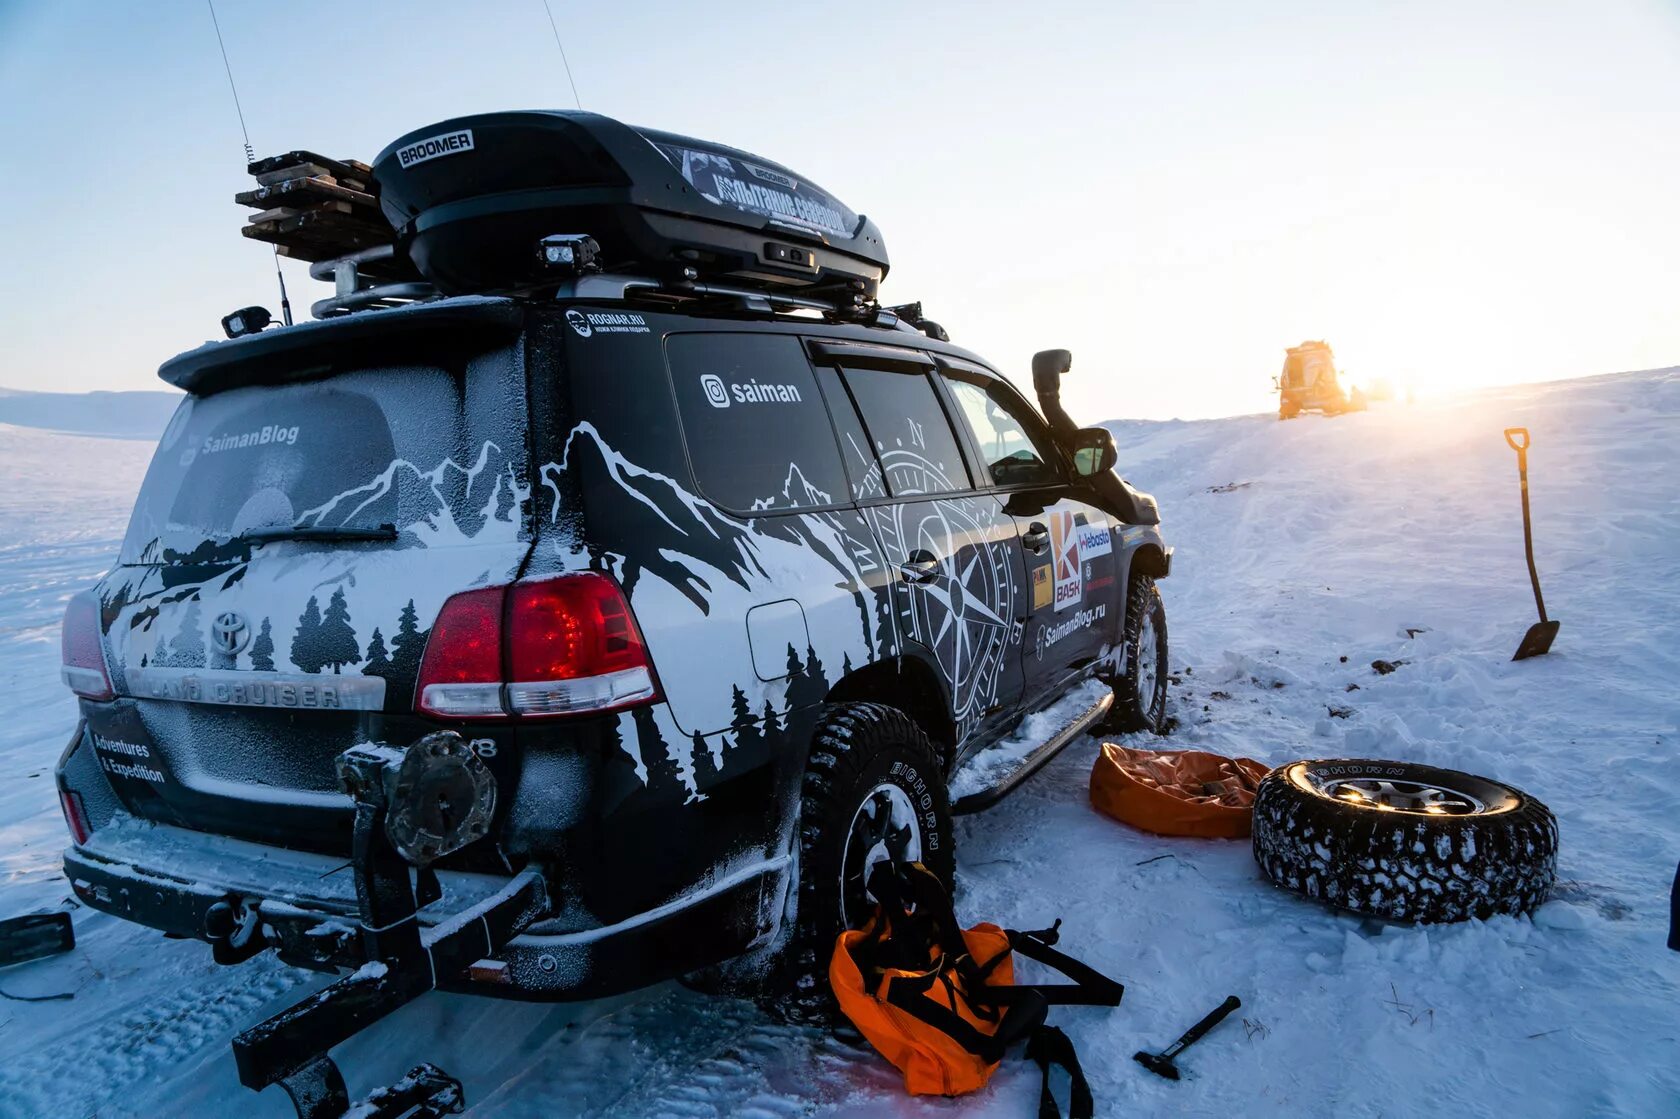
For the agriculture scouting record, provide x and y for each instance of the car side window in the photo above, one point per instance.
(862, 467)
(756, 427)
(918, 451)
(1012, 447)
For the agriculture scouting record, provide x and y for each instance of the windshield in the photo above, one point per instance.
(414, 454)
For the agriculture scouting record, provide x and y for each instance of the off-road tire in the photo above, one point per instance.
(855, 748)
(1134, 711)
(1405, 865)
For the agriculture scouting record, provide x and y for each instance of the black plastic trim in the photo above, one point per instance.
(317, 349)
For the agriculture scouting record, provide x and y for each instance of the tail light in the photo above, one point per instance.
(84, 668)
(75, 815)
(570, 646)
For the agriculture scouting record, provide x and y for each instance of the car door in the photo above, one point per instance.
(1071, 613)
(960, 580)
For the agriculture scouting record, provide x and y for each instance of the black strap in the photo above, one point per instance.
(1090, 987)
(1023, 1013)
(1050, 1046)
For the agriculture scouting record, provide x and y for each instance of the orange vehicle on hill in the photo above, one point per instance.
(1309, 383)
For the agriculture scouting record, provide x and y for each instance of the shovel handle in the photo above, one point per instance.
(1517, 437)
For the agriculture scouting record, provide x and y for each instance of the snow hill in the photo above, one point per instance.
(125, 415)
(1305, 550)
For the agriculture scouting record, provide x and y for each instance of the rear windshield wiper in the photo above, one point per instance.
(320, 532)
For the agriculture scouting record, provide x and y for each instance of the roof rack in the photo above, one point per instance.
(464, 207)
(851, 305)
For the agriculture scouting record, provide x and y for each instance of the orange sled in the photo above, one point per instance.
(1177, 792)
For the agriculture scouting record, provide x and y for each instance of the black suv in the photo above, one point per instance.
(698, 598)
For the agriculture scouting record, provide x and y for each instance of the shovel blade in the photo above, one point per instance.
(33, 936)
(1537, 641)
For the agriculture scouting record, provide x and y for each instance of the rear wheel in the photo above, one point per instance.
(1140, 696)
(873, 791)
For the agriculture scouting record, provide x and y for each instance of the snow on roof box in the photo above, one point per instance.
(471, 197)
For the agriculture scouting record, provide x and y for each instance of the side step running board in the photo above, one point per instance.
(998, 770)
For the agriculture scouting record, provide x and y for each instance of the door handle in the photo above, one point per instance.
(1036, 539)
(919, 567)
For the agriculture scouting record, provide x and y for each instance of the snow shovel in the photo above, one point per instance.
(1538, 640)
(33, 936)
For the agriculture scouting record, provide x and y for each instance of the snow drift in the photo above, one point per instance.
(1306, 550)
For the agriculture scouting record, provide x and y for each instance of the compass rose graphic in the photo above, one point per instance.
(965, 610)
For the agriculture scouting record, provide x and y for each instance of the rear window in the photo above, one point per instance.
(757, 430)
(437, 454)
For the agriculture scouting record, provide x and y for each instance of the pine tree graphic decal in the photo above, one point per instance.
(662, 780)
(338, 639)
(307, 642)
(408, 644)
(188, 648)
(748, 750)
(378, 661)
(262, 649)
(705, 768)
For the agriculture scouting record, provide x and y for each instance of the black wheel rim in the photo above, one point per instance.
(885, 827)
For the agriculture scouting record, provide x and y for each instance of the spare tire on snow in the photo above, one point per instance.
(1404, 842)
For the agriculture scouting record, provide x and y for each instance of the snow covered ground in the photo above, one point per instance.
(1306, 550)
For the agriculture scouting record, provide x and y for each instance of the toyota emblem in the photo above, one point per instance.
(230, 634)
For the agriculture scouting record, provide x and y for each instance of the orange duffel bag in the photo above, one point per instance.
(1177, 792)
(939, 1001)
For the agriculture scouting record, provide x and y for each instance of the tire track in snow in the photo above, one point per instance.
(94, 1066)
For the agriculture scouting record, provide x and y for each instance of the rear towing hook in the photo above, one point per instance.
(399, 832)
(236, 931)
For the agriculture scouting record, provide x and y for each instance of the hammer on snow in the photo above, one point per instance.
(1161, 1064)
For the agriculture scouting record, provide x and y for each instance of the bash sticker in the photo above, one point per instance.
(1064, 553)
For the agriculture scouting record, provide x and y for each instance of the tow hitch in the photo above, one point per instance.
(413, 807)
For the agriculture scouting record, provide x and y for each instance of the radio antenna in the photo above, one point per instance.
(556, 29)
(250, 152)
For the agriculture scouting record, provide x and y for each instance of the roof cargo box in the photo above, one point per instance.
(471, 198)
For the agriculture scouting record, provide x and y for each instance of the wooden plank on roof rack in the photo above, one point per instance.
(279, 213)
(318, 234)
(303, 192)
(265, 169)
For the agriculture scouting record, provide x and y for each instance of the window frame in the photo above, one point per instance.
(1035, 426)
(929, 373)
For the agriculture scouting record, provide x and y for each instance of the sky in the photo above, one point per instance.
(1450, 193)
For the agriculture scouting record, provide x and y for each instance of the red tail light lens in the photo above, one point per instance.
(75, 815)
(572, 647)
(84, 668)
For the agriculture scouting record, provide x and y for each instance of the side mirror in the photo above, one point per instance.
(1093, 451)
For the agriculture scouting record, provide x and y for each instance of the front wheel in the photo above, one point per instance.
(1140, 696)
(873, 792)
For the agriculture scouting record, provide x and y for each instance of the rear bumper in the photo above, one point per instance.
(168, 878)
